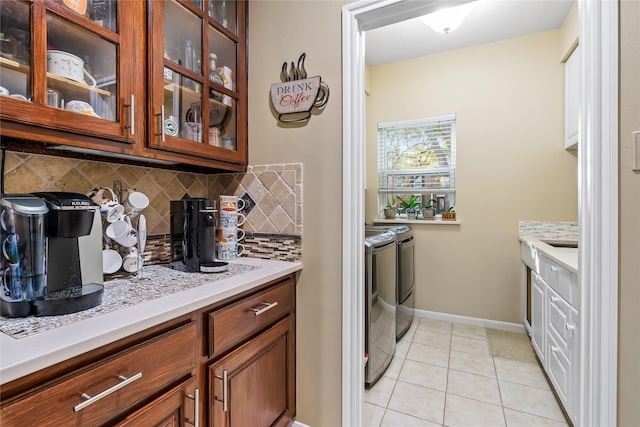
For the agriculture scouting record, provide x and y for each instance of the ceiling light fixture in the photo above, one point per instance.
(446, 20)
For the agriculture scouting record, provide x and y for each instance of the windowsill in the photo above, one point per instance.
(400, 220)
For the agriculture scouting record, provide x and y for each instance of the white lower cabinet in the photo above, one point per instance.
(538, 324)
(555, 329)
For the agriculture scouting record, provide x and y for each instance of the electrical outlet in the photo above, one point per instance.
(635, 144)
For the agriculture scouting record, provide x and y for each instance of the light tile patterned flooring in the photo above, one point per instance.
(443, 374)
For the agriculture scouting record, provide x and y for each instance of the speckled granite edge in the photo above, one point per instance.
(122, 293)
(549, 229)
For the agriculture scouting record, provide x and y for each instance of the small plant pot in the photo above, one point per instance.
(389, 213)
(428, 213)
(449, 216)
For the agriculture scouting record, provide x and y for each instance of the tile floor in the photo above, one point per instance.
(448, 374)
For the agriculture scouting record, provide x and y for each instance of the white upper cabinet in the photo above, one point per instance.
(572, 99)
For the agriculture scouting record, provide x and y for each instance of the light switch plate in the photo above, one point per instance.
(635, 144)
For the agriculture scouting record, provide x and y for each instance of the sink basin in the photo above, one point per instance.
(559, 243)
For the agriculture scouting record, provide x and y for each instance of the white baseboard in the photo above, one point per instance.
(494, 324)
(298, 424)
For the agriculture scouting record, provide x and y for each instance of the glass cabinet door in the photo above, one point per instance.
(70, 64)
(15, 50)
(196, 99)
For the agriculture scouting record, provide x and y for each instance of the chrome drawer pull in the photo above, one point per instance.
(91, 400)
(262, 310)
(224, 399)
(196, 402)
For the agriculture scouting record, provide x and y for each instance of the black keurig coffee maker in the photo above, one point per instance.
(193, 234)
(56, 265)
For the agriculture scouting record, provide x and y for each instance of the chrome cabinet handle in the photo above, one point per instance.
(89, 400)
(196, 403)
(132, 115)
(268, 307)
(162, 122)
(225, 390)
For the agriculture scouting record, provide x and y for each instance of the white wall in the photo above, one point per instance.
(511, 164)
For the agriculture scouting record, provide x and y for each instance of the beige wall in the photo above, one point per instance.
(511, 165)
(279, 32)
(629, 297)
(569, 33)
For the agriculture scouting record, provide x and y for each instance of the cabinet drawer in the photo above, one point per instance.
(562, 321)
(146, 368)
(559, 370)
(529, 256)
(560, 279)
(243, 319)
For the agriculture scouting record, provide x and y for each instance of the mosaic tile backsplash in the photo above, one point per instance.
(272, 194)
(549, 229)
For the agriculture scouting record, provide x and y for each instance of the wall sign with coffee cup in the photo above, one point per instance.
(298, 95)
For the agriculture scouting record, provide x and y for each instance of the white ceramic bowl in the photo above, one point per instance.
(68, 65)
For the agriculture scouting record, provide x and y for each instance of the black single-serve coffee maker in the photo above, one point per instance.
(52, 254)
(193, 235)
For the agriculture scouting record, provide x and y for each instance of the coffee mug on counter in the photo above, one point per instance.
(132, 262)
(110, 209)
(135, 203)
(231, 203)
(230, 234)
(122, 232)
(230, 250)
(231, 219)
(111, 261)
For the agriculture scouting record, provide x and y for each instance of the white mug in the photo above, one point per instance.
(132, 262)
(136, 202)
(231, 203)
(111, 261)
(110, 209)
(230, 250)
(231, 219)
(122, 232)
(4, 91)
(230, 234)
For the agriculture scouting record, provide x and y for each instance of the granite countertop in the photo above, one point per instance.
(33, 343)
(531, 233)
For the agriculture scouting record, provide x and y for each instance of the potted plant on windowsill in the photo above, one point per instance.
(409, 207)
(428, 211)
(389, 211)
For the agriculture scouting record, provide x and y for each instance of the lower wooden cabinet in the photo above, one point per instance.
(177, 407)
(173, 374)
(107, 390)
(254, 385)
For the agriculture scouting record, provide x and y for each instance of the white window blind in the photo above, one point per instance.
(418, 157)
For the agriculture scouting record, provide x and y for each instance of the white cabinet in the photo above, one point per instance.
(572, 99)
(555, 323)
(538, 324)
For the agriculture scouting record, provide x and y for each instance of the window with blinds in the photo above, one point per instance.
(418, 157)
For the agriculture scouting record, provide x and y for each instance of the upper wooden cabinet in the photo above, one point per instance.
(127, 77)
(198, 102)
(64, 67)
